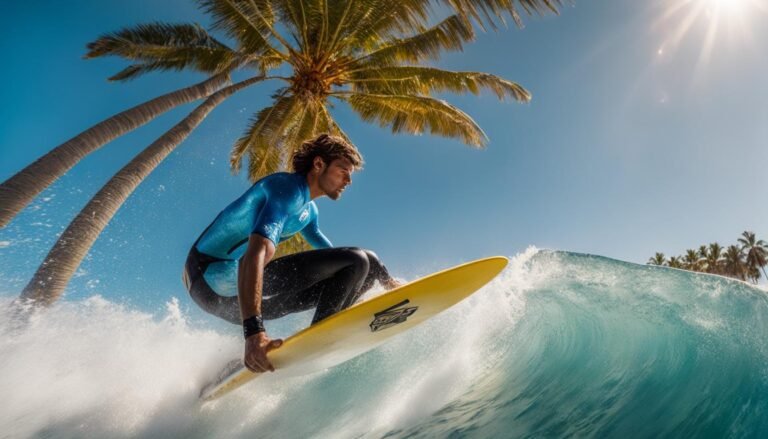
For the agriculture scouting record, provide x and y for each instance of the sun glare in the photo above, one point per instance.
(707, 22)
(725, 6)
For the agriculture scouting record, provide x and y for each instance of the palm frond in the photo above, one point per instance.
(415, 115)
(264, 159)
(163, 46)
(299, 17)
(264, 124)
(273, 134)
(326, 124)
(423, 80)
(135, 70)
(488, 12)
(311, 118)
(263, 64)
(270, 152)
(305, 126)
(294, 244)
(448, 35)
(323, 27)
(250, 22)
(372, 21)
(337, 22)
(297, 127)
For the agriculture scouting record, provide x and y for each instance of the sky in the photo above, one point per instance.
(647, 133)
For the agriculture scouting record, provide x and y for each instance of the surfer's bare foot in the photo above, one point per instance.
(393, 283)
(256, 348)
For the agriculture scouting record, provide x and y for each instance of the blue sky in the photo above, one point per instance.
(643, 135)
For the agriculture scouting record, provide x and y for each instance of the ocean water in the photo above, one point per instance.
(559, 345)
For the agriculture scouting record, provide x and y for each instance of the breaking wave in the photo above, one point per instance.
(560, 344)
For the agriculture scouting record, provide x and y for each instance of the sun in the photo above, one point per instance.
(707, 22)
(732, 9)
(725, 6)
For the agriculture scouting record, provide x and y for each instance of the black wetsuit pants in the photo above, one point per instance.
(329, 280)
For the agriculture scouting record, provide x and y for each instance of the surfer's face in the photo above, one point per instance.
(335, 177)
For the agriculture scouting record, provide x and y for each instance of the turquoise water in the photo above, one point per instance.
(559, 345)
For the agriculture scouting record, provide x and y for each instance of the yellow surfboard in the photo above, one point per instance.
(365, 325)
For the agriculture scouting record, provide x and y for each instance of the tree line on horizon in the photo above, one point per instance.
(744, 260)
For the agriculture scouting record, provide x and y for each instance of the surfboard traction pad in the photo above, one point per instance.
(394, 315)
(481, 271)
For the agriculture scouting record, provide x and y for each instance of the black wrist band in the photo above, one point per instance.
(253, 325)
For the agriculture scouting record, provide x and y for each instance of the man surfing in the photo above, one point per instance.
(243, 237)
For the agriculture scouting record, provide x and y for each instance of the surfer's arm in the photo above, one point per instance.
(267, 226)
(268, 222)
(251, 274)
(314, 236)
(250, 283)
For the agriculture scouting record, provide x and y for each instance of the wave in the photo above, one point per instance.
(560, 344)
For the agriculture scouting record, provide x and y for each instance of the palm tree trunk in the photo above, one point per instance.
(22, 188)
(51, 278)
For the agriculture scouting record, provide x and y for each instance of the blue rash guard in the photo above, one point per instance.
(275, 207)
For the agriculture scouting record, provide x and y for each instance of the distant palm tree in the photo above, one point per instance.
(702, 253)
(657, 259)
(691, 260)
(675, 262)
(733, 263)
(714, 258)
(363, 53)
(756, 254)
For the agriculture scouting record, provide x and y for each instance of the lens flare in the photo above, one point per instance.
(724, 5)
(708, 23)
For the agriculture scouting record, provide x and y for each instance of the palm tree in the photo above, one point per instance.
(657, 259)
(53, 275)
(355, 56)
(756, 254)
(702, 254)
(691, 260)
(675, 262)
(365, 56)
(180, 42)
(714, 258)
(733, 263)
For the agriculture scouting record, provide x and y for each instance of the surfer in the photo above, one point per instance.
(235, 251)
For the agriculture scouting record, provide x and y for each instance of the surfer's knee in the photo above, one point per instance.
(355, 256)
(373, 258)
(377, 268)
(374, 263)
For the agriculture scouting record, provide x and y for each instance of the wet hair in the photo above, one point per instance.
(327, 147)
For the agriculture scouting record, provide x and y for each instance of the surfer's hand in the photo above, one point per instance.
(256, 348)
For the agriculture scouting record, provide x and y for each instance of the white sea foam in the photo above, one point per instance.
(96, 368)
(93, 368)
